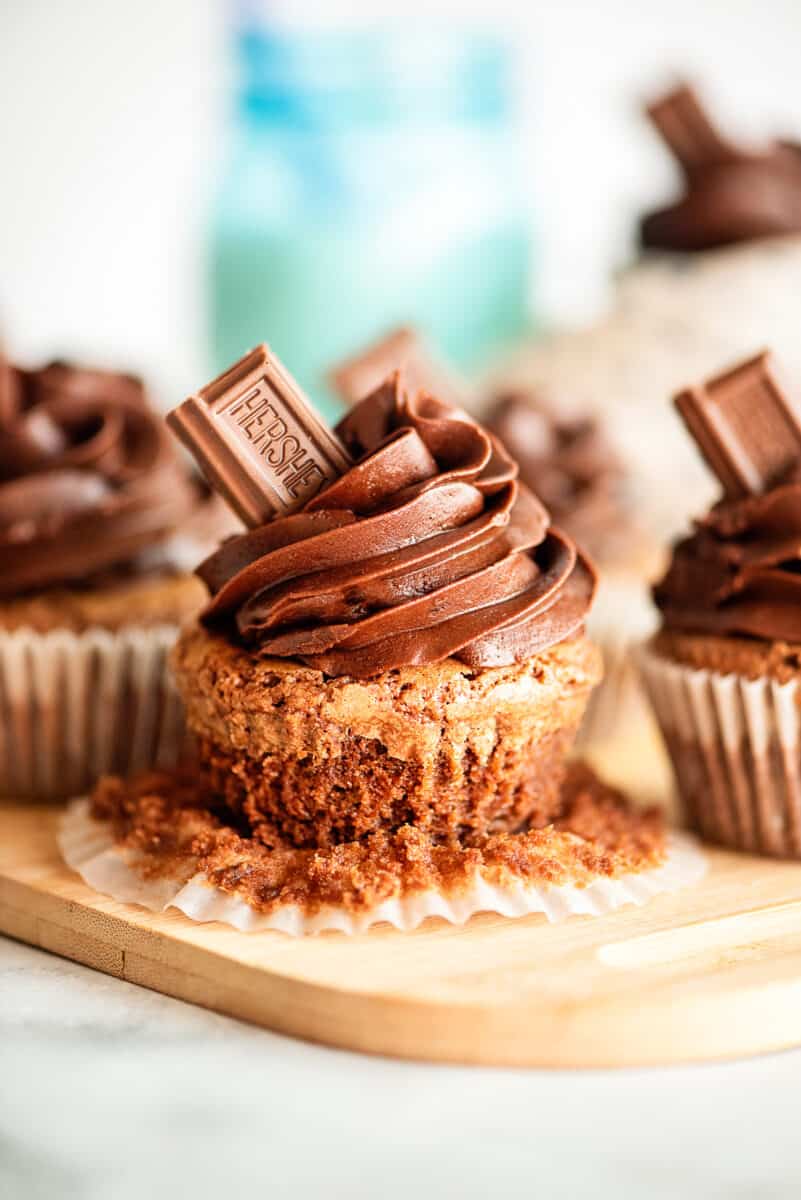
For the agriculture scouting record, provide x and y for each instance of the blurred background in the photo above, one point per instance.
(182, 179)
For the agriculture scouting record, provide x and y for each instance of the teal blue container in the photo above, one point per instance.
(373, 179)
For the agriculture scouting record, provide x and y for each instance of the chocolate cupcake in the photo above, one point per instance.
(717, 271)
(383, 688)
(94, 512)
(407, 647)
(724, 672)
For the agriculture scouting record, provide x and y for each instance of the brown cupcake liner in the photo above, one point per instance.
(77, 706)
(735, 746)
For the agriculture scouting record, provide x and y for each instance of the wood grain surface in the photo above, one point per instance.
(709, 972)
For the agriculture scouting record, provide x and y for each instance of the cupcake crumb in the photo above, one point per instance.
(172, 828)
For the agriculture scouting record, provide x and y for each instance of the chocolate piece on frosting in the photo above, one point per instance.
(402, 349)
(688, 130)
(747, 427)
(740, 570)
(257, 439)
(426, 548)
(733, 193)
(8, 391)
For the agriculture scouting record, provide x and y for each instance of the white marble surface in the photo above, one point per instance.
(108, 1092)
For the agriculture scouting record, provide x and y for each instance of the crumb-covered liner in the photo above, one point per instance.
(74, 706)
(735, 745)
(88, 848)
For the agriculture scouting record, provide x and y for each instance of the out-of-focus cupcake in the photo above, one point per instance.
(724, 671)
(567, 459)
(718, 272)
(99, 520)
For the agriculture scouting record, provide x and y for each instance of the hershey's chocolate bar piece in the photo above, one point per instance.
(688, 130)
(746, 426)
(258, 440)
(402, 349)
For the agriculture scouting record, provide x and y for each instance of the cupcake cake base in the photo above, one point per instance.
(314, 761)
(161, 842)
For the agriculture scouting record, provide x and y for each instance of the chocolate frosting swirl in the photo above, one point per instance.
(427, 548)
(740, 572)
(88, 475)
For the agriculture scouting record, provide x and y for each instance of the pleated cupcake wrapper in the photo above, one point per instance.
(76, 705)
(735, 744)
(88, 847)
(622, 616)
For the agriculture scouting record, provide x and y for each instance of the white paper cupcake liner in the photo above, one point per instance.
(88, 848)
(622, 617)
(735, 744)
(74, 706)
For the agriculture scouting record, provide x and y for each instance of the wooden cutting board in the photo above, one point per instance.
(708, 972)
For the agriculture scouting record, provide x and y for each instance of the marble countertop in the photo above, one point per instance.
(109, 1092)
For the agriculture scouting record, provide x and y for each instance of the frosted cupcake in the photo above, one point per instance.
(724, 671)
(407, 648)
(98, 517)
(718, 273)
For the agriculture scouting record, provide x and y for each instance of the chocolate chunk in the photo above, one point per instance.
(402, 349)
(747, 427)
(258, 440)
(733, 192)
(9, 391)
(689, 132)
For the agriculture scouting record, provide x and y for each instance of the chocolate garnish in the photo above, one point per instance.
(747, 427)
(733, 192)
(688, 130)
(257, 439)
(9, 392)
(402, 349)
(739, 572)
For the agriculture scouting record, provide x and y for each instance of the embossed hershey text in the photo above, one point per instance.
(277, 440)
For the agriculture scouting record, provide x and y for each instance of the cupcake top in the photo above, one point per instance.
(570, 464)
(89, 478)
(739, 572)
(427, 547)
(732, 193)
